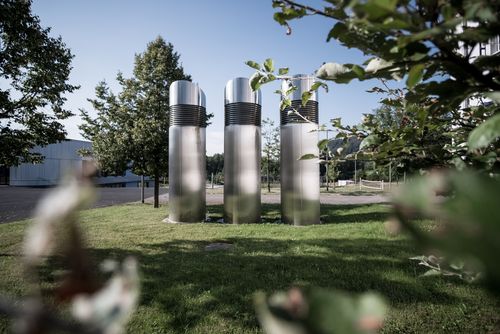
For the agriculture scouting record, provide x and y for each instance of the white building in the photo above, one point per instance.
(60, 158)
(481, 49)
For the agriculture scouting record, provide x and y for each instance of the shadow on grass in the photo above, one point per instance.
(360, 193)
(193, 286)
(330, 214)
(354, 213)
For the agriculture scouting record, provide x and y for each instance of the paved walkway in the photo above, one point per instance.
(18, 203)
(334, 198)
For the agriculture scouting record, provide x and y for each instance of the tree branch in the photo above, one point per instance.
(486, 80)
(307, 8)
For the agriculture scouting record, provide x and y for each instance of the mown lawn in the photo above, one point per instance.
(188, 290)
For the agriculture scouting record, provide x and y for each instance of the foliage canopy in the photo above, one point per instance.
(35, 69)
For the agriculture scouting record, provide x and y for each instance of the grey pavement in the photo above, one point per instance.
(332, 198)
(18, 203)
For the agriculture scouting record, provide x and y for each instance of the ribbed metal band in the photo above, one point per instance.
(309, 111)
(188, 115)
(242, 113)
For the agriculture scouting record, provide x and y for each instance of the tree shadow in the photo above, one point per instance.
(330, 214)
(192, 285)
(356, 213)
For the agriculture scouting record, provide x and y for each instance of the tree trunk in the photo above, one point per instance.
(157, 190)
(142, 188)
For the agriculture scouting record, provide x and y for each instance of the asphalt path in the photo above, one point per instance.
(325, 198)
(18, 203)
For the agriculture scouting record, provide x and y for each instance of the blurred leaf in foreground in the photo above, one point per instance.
(465, 207)
(320, 311)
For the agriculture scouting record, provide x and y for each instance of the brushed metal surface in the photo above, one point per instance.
(202, 99)
(303, 82)
(186, 92)
(299, 178)
(239, 90)
(187, 174)
(242, 151)
(187, 147)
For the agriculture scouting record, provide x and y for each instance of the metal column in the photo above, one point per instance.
(300, 178)
(242, 152)
(186, 157)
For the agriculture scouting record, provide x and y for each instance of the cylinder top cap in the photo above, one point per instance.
(186, 92)
(239, 90)
(203, 99)
(303, 82)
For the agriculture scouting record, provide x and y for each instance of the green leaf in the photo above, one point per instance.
(285, 103)
(269, 65)
(291, 90)
(305, 97)
(415, 75)
(322, 144)
(386, 4)
(308, 157)
(495, 96)
(338, 29)
(283, 71)
(320, 311)
(255, 81)
(253, 64)
(432, 272)
(358, 70)
(368, 141)
(288, 13)
(457, 265)
(392, 23)
(485, 134)
(268, 78)
(318, 84)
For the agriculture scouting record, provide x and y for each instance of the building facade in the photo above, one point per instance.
(59, 159)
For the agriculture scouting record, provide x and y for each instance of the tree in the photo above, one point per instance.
(270, 150)
(131, 128)
(419, 41)
(405, 134)
(215, 166)
(35, 67)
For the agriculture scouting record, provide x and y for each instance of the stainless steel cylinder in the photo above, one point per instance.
(186, 153)
(300, 178)
(242, 152)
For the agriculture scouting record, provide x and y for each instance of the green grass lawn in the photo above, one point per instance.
(188, 290)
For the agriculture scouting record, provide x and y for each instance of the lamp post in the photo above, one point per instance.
(327, 162)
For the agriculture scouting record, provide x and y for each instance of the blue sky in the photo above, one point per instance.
(214, 39)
